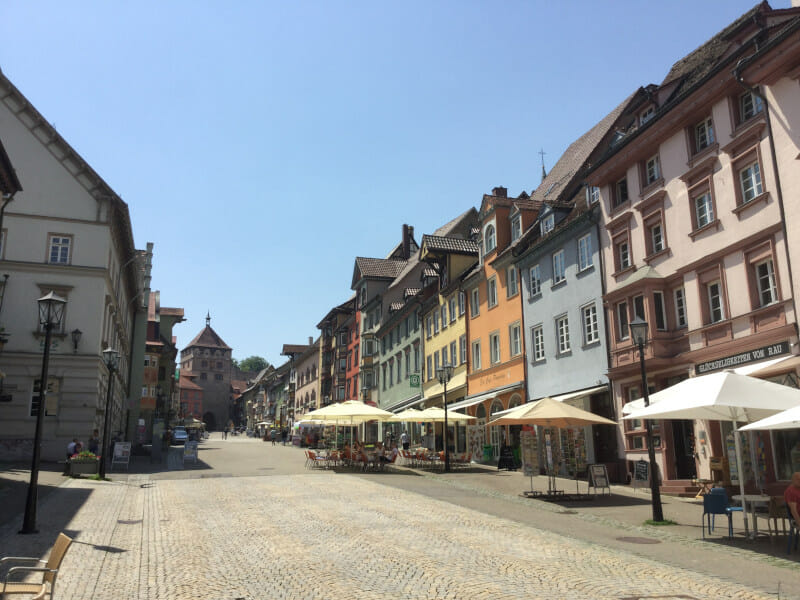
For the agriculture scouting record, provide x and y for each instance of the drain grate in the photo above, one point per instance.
(640, 540)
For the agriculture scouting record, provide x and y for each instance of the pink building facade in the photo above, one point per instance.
(696, 191)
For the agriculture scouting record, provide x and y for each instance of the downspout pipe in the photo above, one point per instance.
(737, 73)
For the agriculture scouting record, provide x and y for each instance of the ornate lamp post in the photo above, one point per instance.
(444, 373)
(639, 334)
(51, 311)
(111, 360)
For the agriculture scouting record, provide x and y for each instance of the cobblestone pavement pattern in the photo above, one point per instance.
(327, 535)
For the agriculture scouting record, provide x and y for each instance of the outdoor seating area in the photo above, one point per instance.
(373, 459)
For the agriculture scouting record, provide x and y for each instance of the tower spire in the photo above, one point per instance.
(208, 319)
(544, 173)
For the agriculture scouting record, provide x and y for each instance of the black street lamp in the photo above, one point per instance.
(111, 359)
(51, 311)
(639, 334)
(444, 373)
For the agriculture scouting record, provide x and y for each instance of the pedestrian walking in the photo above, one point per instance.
(94, 442)
(273, 435)
(284, 435)
(404, 440)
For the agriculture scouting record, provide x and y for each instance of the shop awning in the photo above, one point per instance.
(561, 398)
(765, 368)
(472, 400)
(404, 404)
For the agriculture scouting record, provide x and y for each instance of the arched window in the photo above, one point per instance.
(489, 240)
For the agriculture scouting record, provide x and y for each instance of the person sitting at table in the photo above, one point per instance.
(392, 455)
(792, 497)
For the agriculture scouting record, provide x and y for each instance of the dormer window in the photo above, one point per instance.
(648, 114)
(547, 224)
(516, 228)
(489, 240)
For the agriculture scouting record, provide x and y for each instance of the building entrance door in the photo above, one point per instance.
(683, 444)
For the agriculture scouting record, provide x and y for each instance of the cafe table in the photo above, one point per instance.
(749, 502)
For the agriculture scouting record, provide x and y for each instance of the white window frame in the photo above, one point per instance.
(429, 367)
(475, 304)
(623, 250)
(443, 312)
(489, 238)
(715, 301)
(623, 320)
(515, 339)
(652, 169)
(476, 355)
(750, 182)
(491, 292)
(593, 194)
(453, 355)
(765, 283)
(750, 105)
(516, 227)
(513, 282)
(585, 252)
(704, 134)
(537, 340)
(462, 303)
(703, 206)
(453, 315)
(59, 244)
(547, 224)
(559, 267)
(562, 334)
(657, 237)
(462, 348)
(535, 277)
(679, 296)
(494, 348)
(591, 330)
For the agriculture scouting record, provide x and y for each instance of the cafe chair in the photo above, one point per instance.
(794, 532)
(716, 502)
(49, 570)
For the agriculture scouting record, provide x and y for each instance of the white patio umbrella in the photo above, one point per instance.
(787, 419)
(349, 411)
(550, 413)
(409, 414)
(436, 414)
(723, 396)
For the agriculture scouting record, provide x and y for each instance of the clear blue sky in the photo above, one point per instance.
(262, 146)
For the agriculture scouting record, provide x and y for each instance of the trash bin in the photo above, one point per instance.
(488, 452)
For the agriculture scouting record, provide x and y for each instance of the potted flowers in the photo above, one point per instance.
(84, 463)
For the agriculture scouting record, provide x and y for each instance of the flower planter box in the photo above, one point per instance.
(84, 467)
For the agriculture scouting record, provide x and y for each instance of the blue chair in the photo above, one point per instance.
(716, 502)
(794, 533)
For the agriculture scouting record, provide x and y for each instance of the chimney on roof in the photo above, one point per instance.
(500, 192)
(310, 341)
(407, 233)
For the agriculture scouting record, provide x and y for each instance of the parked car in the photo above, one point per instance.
(179, 435)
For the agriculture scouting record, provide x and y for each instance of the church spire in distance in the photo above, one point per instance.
(208, 319)
(544, 173)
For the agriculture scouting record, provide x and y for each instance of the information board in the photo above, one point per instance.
(122, 454)
(598, 478)
(190, 451)
(641, 473)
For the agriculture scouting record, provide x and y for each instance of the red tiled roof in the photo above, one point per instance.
(187, 384)
(450, 244)
(208, 338)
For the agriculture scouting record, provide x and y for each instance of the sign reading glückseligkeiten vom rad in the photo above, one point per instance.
(743, 358)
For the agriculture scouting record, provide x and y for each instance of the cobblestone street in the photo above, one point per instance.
(322, 534)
